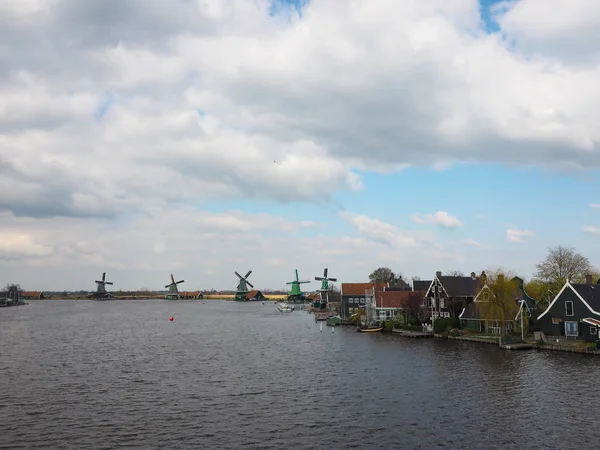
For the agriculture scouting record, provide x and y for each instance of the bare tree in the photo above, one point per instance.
(564, 263)
(454, 273)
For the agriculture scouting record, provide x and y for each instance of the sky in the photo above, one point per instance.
(201, 137)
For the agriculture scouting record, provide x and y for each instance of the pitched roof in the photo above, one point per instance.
(360, 288)
(395, 299)
(252, 294)
(530, 302)
(421, 285)
(31, 293)
(460, 286)
(590, 293)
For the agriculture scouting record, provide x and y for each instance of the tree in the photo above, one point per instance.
(499, 303)
(454, 273)
(11, 285)
(383, 275)
(564, 263)
(412, 304)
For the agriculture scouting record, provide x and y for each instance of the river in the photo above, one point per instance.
(226, 375)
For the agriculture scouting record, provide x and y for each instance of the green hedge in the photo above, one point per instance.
(445, 324)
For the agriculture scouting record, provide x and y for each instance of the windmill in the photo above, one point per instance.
(242, 287)
(296, 295)
(325, 289)
(101, 289)
(173, 291)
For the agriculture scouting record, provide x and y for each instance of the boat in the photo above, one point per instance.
(371, 329)
(370, 325)
(285, 307)
(334, 321)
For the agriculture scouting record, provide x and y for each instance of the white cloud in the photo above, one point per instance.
(569, 30)
(440, 218)
(515, 235)
(125, 111)
(591, 229)
(595, 205)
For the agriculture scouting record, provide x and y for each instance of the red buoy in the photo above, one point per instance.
(171, 319)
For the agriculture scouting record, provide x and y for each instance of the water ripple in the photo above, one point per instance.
(226, 375)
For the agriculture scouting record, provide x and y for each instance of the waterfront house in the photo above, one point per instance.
(354, 297)
(32, 295)
(190, 295)
(574, 313)
(254, 295)
(389, 304)
(447, 296)
(399, 285)
(495, 308)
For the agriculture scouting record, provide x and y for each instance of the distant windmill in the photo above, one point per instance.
(173, 291)
(101, 289)
(325, 289)
(242, 287)
(296, 295)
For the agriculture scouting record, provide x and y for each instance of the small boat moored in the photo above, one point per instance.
(285, 307)
(369, 329)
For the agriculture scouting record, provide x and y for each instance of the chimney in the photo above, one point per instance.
(473, 276)
(588, 279)
(438, 274)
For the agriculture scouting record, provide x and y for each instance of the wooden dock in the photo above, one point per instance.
(414, 334)
(517, 346)
(320, 316)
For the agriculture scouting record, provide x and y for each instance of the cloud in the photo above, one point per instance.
(514, 235)
(109, 109)
(569, 35)
(590, 229)
(440, 218)
(123, 114)
(595, 205)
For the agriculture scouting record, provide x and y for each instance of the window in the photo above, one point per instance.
(593, 331)
(442, 304)
(569, 308)
(571, 329)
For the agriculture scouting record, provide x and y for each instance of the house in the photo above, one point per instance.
(190, 295)
(529, 303)
(495, 308)
(254, 295)
(354, 297)
(447, 296)
(574, 313)
(389, 304)
(32, 295)
(399, 285)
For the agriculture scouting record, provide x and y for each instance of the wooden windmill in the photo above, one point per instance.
(324, 291)
(173, 291)
(101, 289)
(296, 295)
(242, 287)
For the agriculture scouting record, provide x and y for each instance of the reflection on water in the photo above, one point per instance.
(86, 374)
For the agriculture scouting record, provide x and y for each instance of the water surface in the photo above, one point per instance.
(226, 375)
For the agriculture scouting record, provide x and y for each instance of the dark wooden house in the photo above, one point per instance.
(574, 313)
(354, 297)
(447, 296)
(487, 314)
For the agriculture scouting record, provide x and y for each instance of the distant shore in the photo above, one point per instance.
(211, 297)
